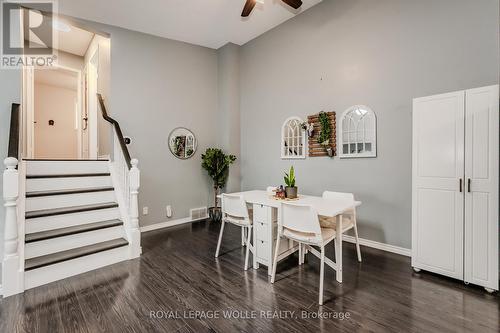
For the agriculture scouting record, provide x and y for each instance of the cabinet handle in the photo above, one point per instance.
(468, 185)
(460, 185)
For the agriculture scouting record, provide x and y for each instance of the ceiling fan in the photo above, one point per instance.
(250, 4)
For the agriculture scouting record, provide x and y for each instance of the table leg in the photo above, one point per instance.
(338, 248)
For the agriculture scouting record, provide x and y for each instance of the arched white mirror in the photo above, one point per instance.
(293, 139)
(358, 132)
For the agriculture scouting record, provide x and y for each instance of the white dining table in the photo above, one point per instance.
(267, 217)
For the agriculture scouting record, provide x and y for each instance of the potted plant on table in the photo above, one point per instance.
(217, 165)
(290, 189)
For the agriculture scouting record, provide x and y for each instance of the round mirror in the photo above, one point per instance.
(182, 143)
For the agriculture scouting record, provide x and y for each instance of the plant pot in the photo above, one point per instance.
(291, 192)
(214, 214)
(329, 150)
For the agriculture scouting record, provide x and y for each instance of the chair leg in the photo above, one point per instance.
(357, 241)
(220, 239)
(275, 260)
(249, 232)
(321, 275)
(304, 252)
(338, 259)
(243, 236)
(300, 254)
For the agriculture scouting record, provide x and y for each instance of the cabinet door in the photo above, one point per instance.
(437, 200)
(481, 197)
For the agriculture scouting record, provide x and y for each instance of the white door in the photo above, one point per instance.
(437, 197)
(481, 196)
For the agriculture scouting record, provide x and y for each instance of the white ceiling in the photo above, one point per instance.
(69, 38)
(210, 23)
(75, 41)
(57, 77)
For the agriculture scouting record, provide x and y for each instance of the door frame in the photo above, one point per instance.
(28, 100)
(92, 114)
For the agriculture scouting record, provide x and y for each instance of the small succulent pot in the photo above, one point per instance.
(291, 192)
(329, 150)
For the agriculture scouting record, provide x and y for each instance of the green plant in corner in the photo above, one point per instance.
(290, 178)
(217, 165)
(326, 129)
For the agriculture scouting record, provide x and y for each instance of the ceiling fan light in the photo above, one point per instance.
(61, 26)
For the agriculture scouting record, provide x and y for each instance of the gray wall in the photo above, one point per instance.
(339, 53)
(379, 53)
(228, 118)
(157, 85)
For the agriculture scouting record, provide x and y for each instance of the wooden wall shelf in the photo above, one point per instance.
(315, 148)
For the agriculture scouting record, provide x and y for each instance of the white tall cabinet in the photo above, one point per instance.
(455, 185)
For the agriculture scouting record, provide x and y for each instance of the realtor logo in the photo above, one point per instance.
(27, 34)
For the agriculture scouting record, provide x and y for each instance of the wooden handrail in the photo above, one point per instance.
(118, 130)
(14, 132)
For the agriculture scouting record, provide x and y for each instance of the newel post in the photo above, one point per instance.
(11, 274)
(134, 181)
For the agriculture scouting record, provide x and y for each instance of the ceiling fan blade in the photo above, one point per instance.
(295, 4)
(249, 5)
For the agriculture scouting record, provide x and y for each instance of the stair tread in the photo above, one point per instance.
(70, 175)
(64, 192)
(69, 210)
(49, 234)
(58, 257)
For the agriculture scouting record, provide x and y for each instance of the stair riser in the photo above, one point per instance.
(69, 200)
(65, 167)
(47, 274)
(69, 220)
(71, 183)
(49, 246)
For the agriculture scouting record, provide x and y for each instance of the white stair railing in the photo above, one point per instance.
(12, 263)
(126, 180)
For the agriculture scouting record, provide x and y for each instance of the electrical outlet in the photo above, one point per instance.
(145, 210)
(169, 211)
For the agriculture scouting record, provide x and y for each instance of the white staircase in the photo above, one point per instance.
(72, 221)
(67, 217)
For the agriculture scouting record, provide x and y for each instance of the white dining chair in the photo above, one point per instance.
(235, 211)
(300, 223)
(348, 218)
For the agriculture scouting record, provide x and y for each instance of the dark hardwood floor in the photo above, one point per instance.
(178, 275)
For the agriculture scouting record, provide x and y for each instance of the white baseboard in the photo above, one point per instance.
(365, 242)
(380, 246)
(168, 224)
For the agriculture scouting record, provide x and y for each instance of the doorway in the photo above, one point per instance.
(55, 113)
(61, 118)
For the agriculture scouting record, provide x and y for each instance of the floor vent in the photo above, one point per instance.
(198, 213)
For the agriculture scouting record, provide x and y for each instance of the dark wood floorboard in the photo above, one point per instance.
(178, 275)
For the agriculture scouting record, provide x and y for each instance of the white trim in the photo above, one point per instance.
(365, 242)
(1, 290)
(380, 246)
(168, 224)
